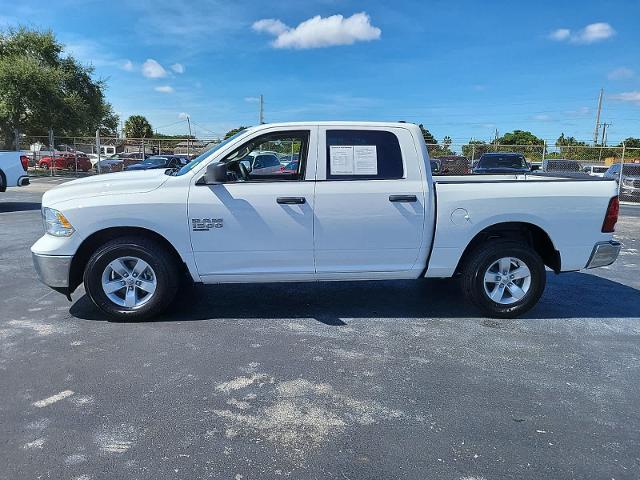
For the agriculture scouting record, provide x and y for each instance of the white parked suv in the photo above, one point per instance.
(13, 170)
(361, 205)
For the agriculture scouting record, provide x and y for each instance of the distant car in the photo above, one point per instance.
(262, 163)
(595, 170)
(496, 163)
(133, 158)
(630, 186)
(290, 168)
(435, 167)
(561, 165)
(453, 165)
(165, 161)
(66, 161)
(13, 170)
(288, 158)
(109, 165)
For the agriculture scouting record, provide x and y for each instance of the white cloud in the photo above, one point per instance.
(542, 117)
(183, 115)
(177, 67)
(560, 34)
(592, 33)
(164, 89)
(318, 32)
(152, 69)
(270, 25)
(127, 65)
(633, 97)
(621, 73)
(580, 112)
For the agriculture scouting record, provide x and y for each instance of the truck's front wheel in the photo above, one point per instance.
(503, 278)
(131, 278)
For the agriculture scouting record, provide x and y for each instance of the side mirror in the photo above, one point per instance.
(216, 173)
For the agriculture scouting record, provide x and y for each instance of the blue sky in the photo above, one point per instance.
(462, 68)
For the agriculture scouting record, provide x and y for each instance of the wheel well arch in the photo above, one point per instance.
(93, 241)
(532, 234)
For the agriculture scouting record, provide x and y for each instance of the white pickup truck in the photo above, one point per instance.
(352, 201)
(13, 170)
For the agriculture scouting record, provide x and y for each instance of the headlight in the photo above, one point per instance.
(627, 181)
(56, 224)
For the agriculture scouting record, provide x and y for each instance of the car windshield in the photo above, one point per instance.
(631, 170)
(203, 156)
(502, 161)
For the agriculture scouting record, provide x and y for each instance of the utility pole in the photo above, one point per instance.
(604, 138)
(604, 133)
(261, 118)
(189, 139)
(595, 132)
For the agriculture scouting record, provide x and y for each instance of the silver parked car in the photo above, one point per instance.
(262, 163)
(630, 185)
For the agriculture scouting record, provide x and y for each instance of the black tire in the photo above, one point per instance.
(480, 259)
(3, 182)
(164, 265)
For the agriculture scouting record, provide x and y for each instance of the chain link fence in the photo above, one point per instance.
(564, 160)
(81, 156)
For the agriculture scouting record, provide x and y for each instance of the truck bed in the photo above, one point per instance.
(569, 209)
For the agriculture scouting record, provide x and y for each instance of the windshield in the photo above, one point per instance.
(155, 161)
(203, 156)
(502, 161)
(631, 170)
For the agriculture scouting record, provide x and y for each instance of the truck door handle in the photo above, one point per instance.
(291, 200)
(403, 198)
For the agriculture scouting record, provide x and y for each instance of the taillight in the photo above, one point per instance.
(24, 160)
(610, 219)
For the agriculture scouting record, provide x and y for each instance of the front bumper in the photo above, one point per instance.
(603, 254)
(53, 270)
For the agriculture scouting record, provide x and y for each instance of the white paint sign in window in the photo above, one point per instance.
(365, 160)
(353, 160)
(341, 160)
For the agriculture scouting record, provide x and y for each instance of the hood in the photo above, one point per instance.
(105, 184)
(140, 166)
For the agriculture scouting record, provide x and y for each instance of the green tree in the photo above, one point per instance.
(475, 148)
(524, 142)
(563, 141)
(519, 137)
(137, 126)
(231, 133)
(631, 142)
(428, 138)
(41, 89)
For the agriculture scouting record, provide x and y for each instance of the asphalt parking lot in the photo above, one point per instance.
(378, 380)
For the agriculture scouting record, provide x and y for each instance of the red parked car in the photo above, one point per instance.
(66, 161)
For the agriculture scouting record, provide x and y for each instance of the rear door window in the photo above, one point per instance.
(363, 155)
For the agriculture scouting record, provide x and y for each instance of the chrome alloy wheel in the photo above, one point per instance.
(507, 280)
(129, 282)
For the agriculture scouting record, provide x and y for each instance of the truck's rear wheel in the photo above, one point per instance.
(503, 278)
(131, 278)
